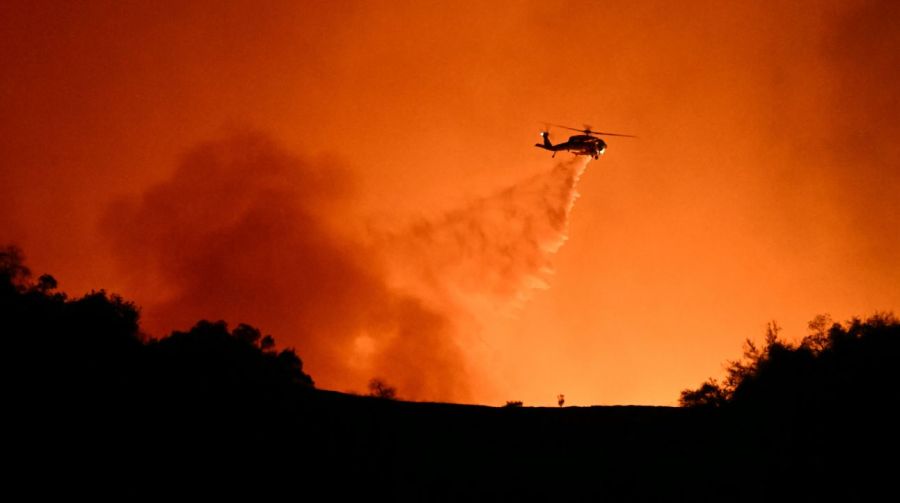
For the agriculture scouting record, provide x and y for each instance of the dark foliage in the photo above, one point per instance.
(817, 419)
(835, 366)
(90, 349)
(56, 344)
(709, 394)
(380, 389)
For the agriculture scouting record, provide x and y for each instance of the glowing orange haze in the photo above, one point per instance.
(358, 179)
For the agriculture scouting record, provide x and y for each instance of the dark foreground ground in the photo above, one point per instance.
(94, 410)
(330, 446)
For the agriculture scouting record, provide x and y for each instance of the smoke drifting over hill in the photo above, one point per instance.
(246, 232)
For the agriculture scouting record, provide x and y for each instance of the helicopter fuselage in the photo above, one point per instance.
(582, 144)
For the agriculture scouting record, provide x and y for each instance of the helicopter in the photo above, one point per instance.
(586, 143)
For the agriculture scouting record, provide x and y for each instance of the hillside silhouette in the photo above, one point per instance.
(99, 408)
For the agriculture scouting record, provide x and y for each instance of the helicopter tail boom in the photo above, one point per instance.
(547, 145)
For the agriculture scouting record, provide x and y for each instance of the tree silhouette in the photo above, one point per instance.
(92, 346)
(380, 389)
(13, 273)
(833, 365)
(709, 394)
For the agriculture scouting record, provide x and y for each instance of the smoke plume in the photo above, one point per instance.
(246, 232)
(494, 253)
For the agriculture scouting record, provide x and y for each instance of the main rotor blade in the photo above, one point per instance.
(567, 127)
(611, 134)
(589, 131)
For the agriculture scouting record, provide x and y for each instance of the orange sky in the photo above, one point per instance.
(763, 185)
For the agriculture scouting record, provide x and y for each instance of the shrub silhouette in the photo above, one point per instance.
(216, 361)
(380, 389)
(709, 394)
